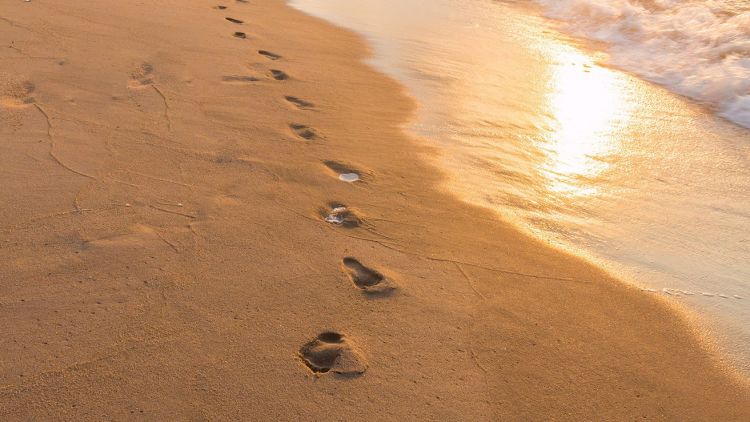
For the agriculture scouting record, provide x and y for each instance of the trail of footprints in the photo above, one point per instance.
(329, 351)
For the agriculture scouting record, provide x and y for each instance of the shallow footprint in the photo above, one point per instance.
(238, 79)
(300, 103)
(279, 75)
(142, 76)
(304, 132)
(333, 352)
(19, 95)
(233, 20)
(220, 7)
(365, 278)
(270, 55)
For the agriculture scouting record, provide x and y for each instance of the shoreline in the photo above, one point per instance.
(406, 57)
(182, 265)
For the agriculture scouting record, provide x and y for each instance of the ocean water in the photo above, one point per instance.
(604, 127)
(698, 48)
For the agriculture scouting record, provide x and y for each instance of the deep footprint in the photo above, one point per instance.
(270, 55)
(279, 75)
(233, 20)
(365, 278)
(304, 132)
(239, 35)
(300, 103)
(340, 215)
(333, 352)
(343, 172)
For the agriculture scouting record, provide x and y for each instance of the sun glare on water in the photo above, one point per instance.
(587, 105)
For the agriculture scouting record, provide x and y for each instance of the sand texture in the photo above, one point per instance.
(167, 171)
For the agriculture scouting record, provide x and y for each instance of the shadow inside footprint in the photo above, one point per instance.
(233, 20)
(340, 215)
(279, 75)
(304, 132)
(343, 172)
(238, 79)
(365, 278)
(333, 352)
(220, 7)
(299, 103)
(239, 35)
(270, 55)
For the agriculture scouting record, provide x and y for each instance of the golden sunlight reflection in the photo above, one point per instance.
(587, 105)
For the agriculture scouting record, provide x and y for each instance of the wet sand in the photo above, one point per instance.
(165, 255)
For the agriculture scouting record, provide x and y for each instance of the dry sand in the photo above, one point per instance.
(164, 254)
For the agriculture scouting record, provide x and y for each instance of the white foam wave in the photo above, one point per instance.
(700, 49)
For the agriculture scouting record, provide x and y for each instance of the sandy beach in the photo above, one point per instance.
(210, 211)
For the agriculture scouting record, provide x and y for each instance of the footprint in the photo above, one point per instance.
(19, 95)
(220, 7)
(279, 75)
(142, 76)
(304, 132)
(239, 34)
(238, 79)
(333, 352)
(340, 215)
(233, 20)
(270, 55)
(365, 278)
(299, 103)
(349, 177)
(343, 172)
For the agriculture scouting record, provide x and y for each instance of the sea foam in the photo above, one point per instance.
(700, 49)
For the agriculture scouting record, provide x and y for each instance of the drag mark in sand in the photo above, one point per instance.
(192, 217)
(470, 281)
(166, 106)
(142, 78)
(390, 245)
(51, 139)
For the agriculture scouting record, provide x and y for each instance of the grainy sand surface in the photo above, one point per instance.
(167, 171)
